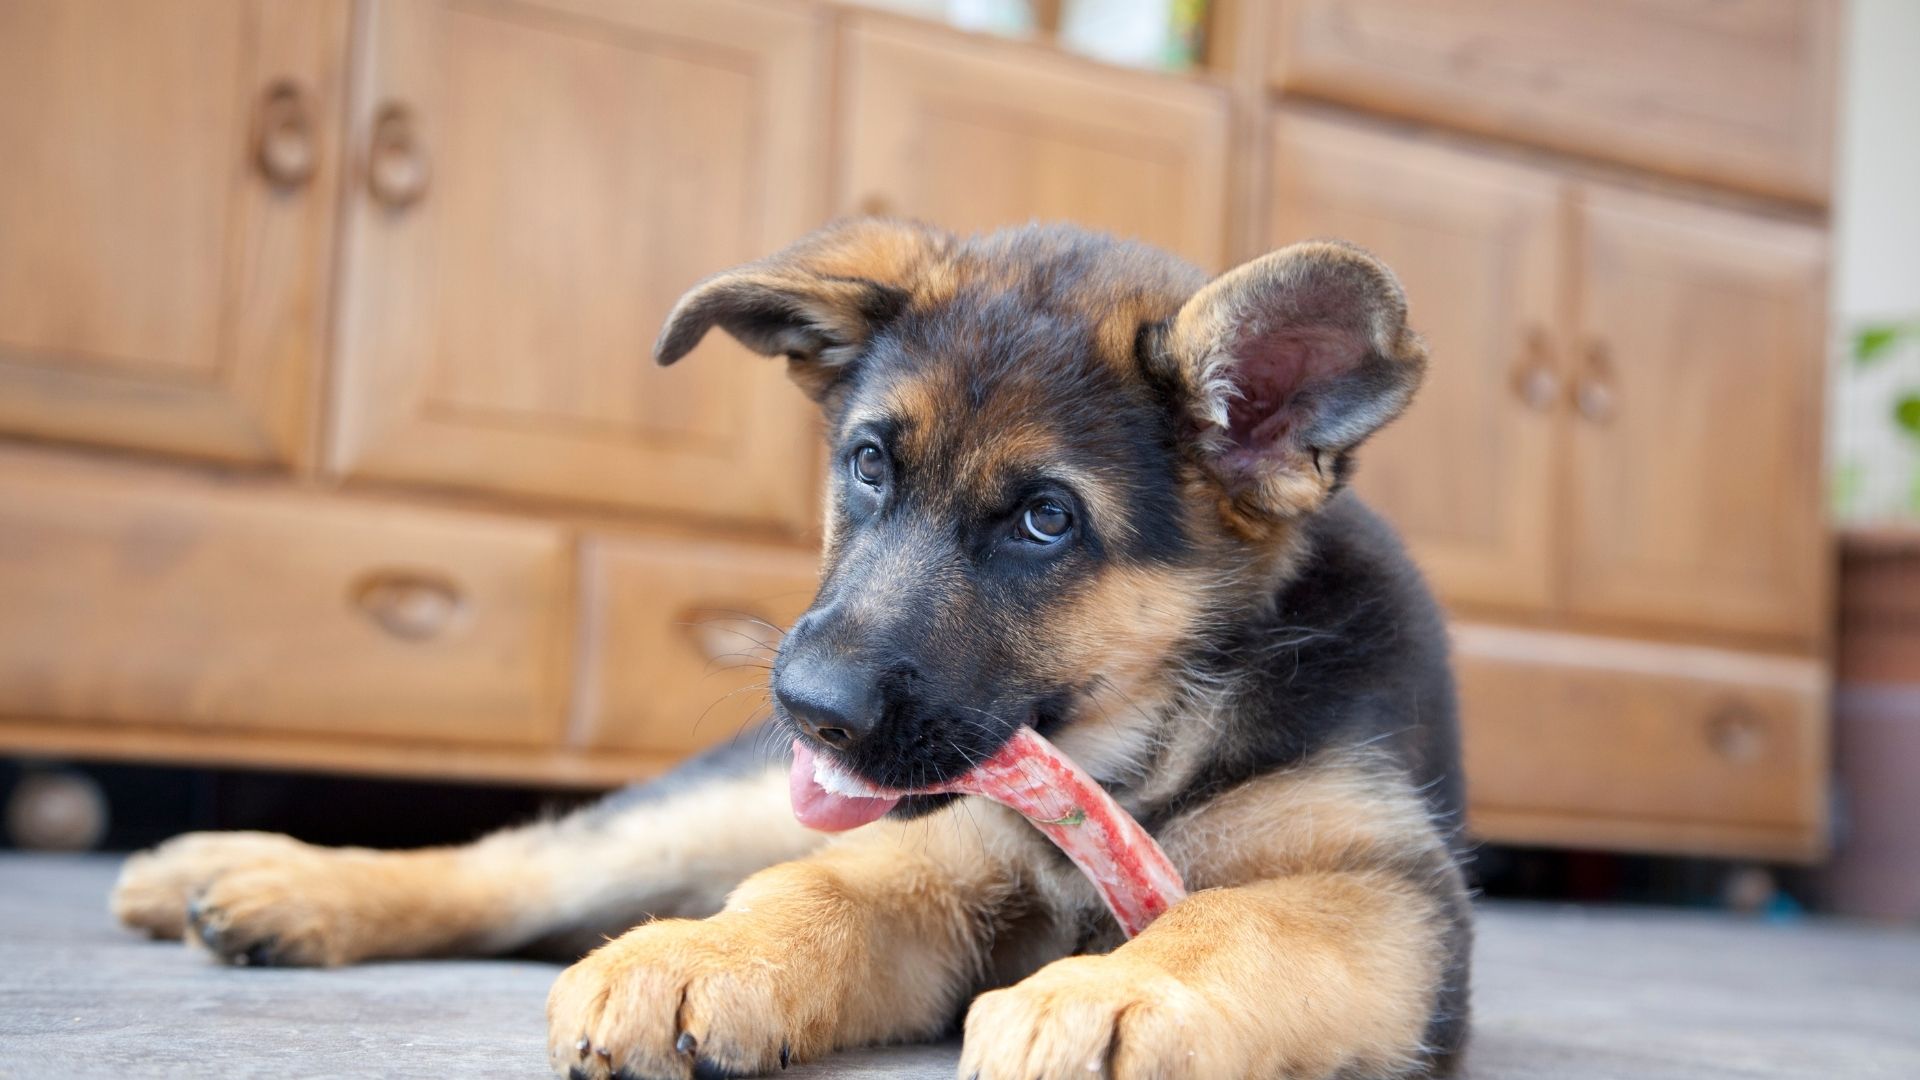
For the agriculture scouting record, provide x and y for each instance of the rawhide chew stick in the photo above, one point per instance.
(1033, 778)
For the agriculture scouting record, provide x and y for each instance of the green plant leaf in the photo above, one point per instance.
(1872, 343)
(1906, 413)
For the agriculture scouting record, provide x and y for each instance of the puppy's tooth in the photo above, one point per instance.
(686, 1043)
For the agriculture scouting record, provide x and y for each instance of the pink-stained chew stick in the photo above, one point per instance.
(1032, 777)
(1036, 780)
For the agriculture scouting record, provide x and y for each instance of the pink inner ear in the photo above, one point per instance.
(1274, 373)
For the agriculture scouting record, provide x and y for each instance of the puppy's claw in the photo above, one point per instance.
(686, 1043)
(786, 1053)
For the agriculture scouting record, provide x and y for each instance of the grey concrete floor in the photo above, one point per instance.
(1569, 993)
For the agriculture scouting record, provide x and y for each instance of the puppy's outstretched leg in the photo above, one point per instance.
(877, 937)
(671, 847)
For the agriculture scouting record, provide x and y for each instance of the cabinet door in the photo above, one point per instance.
(1466, 473)
(538, 182)
(165, 219)
(1696, 453)
(1738, 92)
(973, 134)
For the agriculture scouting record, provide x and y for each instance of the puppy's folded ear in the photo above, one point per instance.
(818, 302)
(1288, 362)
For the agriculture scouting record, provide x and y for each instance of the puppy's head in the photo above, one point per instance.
(1057, 461)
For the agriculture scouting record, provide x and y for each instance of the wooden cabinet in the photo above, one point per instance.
(1737, 92)
(1598, 742)
(139, 597)
(166, 216)
(411, 255)
(1468, 474)
(1695, 463)
(1619, 440)
(683, 636)
(1622, 424)
(973, 134)
(535, 184)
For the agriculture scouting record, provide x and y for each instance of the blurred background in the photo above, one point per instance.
(338, 496)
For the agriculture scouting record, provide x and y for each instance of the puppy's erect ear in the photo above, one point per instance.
(1288, 362)
(818, 302)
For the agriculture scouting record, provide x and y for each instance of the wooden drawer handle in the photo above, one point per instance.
(283, 144)
(731, 638)
(411, 605)
(397, 170)
(1537, 380)
(1736, 732)
(1593, 392)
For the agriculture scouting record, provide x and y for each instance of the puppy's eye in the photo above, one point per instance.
(1046, 522)
(868, 465)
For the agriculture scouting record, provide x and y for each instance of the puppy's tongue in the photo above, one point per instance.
(1031, 776)
(829, 811)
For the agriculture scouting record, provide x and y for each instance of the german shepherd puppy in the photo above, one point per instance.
(1075, 485)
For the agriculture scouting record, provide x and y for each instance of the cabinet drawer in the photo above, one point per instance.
(1738, 92)
(681, 636)
(973, 135)
(139, 597)
(1616, 743)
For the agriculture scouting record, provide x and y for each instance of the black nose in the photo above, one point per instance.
(833, 702)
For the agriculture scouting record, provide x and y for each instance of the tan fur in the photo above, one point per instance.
(1306, 949)
(875, 938)
(329, 906)
(1314, 941)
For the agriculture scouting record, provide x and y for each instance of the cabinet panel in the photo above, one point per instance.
(1739, 92)
(973, 134)
(681, 635)
(1467, 472)
(159, 289)
(1622, 744)
(1695, 470)
(541, 181)
(132, 596)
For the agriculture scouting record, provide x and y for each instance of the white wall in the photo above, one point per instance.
(1876, 260)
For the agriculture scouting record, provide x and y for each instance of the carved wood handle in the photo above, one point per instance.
(413, 605)
(1593, 392)
(1736, 732)
(730, 638)
(397, 168)
(283, 143)
(1536, 379)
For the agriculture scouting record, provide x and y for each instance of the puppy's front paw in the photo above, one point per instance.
(1097, 1016)
(311, 907)
(677, 999)
(155, 886)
